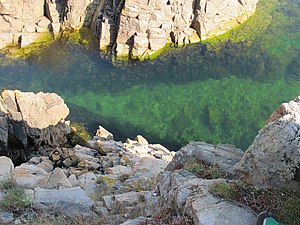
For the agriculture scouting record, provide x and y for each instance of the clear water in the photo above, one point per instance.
(218, 92)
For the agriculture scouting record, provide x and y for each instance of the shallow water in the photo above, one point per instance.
(219, 93)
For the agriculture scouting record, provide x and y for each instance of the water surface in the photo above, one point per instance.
(220, 92)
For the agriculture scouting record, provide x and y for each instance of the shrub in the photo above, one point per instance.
(204, 170)
(15, 200)
(223, 190)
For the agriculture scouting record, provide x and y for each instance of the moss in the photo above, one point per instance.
(14, 52)
(106, 180)
(82, 36)
(80, 135)
(223, 190)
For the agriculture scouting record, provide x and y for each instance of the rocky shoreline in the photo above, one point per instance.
(128, 28)
(110, 182)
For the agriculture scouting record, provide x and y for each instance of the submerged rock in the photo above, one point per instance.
(273, 159)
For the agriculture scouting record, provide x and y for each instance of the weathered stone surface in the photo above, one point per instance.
(225, 156)
(132, 27)
(69, 201)
(139, 28)
(135, 221)
(29, 176)
(31, 121)
(141, 140)
(6, 168)
(131, 203)
(55, 180)
(103, 133)
(6, 217)
(273, 159)
(189, 195)
(76, 195)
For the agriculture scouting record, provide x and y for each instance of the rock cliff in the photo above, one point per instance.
(134, 28)
(273, 159)
(31, 122)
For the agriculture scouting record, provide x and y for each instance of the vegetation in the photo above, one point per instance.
(204, 170)
(80, 135)
(15, 198)
(285, 206)
(40, 45)
(167, 216)
(104, 187)
(57, 217)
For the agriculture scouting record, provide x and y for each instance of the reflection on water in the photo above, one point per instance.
(215, 93)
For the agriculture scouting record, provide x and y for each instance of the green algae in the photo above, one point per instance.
(39, 45)
(193, 111)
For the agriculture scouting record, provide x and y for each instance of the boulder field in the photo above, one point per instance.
(133, 27)
(135, 182)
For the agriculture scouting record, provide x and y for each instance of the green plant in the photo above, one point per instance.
(223, 190)
(80, 135)
(15, 199)
(204, 170)
(7, 184)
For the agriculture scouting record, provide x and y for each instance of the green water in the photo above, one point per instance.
(220, 91)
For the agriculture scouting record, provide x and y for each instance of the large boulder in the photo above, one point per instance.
(273, 159)
(31, 122)
(6, 168)
(190, 196)
(225, 156)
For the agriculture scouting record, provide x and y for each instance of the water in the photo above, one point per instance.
(219, 93)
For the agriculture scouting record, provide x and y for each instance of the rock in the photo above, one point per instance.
(70, 200)
(136, 221)
(73, 180)
(190, 196)
(131, 204)
(139, 28)
(6, 217)
(141, 140)
(31, 121)
(29, 176)
(103, 133)
(6, 168)
(88, 182)
(47, 165)
(131, 27)
(225, 156)
(273, 158)
(118, 170)
(55, 180)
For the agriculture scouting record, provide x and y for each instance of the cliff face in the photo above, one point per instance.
(145, 26)
(131, 27)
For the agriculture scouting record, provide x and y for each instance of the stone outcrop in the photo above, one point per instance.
(31, 122)
(225, 156)
(24, 22)
(134, 28)
(273, 159)
(190, 196)
(141, 27)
